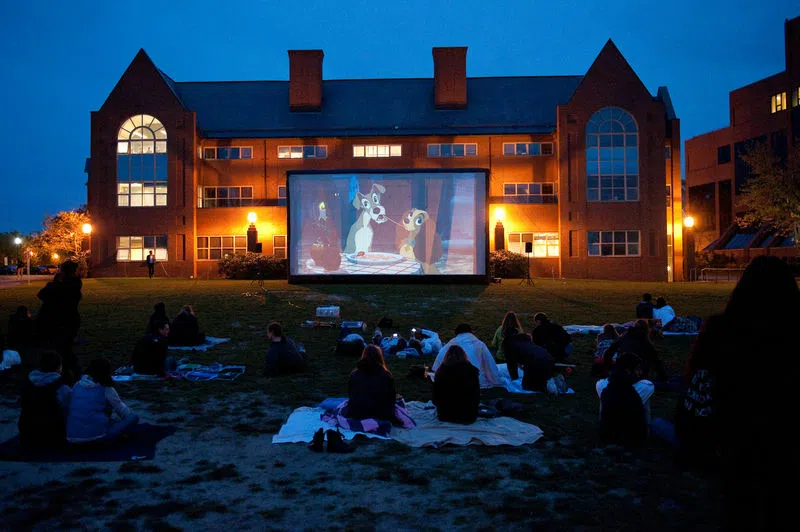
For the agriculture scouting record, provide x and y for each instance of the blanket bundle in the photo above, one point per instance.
(380, 427)
(189, 372)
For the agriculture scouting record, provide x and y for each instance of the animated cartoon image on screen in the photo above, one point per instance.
(419, 241)
(325, 250)
(359, 238)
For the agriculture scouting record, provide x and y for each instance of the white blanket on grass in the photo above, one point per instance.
(210, 342)
(597, 329)
(515, 386)
(429, 432)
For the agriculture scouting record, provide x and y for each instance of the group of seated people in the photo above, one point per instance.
(53, 413)
(150, 354)
(184, 329)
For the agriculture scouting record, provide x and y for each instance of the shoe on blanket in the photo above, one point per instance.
(336, 444)
(316, 444)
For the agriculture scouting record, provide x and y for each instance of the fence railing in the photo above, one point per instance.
(715, 274)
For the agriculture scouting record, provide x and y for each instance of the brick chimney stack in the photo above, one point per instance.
(450, 77)
(305, 80)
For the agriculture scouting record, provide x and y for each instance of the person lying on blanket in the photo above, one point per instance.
(282, 356)
(625, 402)
(93, 397)
(457, 388)
(371, 391)
(185, 330)
(477, 353)
(45, 401)
(150, 352)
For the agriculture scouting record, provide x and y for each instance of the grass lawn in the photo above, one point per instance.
(566, 480)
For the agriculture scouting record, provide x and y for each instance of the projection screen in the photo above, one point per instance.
(409, 226)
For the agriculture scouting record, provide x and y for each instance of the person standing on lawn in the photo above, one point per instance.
(150, 260)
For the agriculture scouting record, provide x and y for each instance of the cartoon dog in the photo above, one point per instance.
(415, 242)
(359, 239)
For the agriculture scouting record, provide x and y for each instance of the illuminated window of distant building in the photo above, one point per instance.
(279, 246)
(530, 192)
(220, 247)
(452, 150)
(543, 244)
(796, 97)
(612, 156)
(142, 163)
(227, 197)
(302, 152)
(377, 150)
(669, 196)
(778, 102)
(136, 248)
(614, 243)
(527, 149)
(228, 153)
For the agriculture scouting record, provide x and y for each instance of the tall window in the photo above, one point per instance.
(279, 246)
(778, 102)
(142, 163)
(612, 156)
(136, 248)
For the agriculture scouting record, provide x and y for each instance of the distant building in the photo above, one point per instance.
(586, 167)
(766, 111)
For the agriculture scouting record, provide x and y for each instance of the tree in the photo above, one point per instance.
(63, 234)
(772, 196)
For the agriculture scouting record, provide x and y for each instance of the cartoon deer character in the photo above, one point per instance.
(359, 239)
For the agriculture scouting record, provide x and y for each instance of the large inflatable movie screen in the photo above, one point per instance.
(409, 224)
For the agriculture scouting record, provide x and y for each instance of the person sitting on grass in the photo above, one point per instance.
(92, 404)
(159, 315)
(457, 388)
(663, 312)
(551, 336)
(21, 330)
(644, 310)
(150, 352)
(637, 340)
(534, 359)
(508, 328)
(45, 403)
(625, 402)
(477, 353)
(185, 330)
(371, 391)
(282, 356)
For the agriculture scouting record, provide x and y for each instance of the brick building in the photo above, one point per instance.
(766, 111)
(585, 167)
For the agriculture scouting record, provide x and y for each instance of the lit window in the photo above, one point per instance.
(378, 150)
(452, 150)
(779, 102)
(528, 149)
(613, 243)
(543, 244)
(228, 153)
(302, 152)
(226, 197)
(220, 247)
(137, 248)
(281, 192)
(796, 97)
(530, 192)
(142, 163)
(279, 246)
(612, 156)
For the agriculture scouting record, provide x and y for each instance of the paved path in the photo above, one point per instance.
(13, 280)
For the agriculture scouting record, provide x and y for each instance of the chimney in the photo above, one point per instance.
(450, 77)
(305, 80)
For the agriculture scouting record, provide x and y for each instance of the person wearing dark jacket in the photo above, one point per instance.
(624, 402)
(282, 356)
(21, 330)
(185, 330)
(45, 403)
(150, 352)
(551, 336)
(159, 314)
(535, 360)
(644, 310)
(637, 340)
(457, 388)
(58, 320)
(371, 390)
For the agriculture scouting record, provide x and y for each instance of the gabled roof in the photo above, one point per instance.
(376, 107)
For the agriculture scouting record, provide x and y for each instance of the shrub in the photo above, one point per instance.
(506, 264)
(251, 265)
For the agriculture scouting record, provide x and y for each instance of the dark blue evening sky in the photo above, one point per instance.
(60, 60)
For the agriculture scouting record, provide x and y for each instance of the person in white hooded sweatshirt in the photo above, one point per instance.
(477, 354)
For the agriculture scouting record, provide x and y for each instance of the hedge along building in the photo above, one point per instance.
(579, 166)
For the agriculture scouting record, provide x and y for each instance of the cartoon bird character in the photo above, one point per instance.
(419, 241)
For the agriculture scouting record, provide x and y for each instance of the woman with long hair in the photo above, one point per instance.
(508, 328)
(637, 340)
(371, 387)
(457, 388)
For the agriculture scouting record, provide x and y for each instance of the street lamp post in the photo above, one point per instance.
(17, 242)
(87, 230)
(30, 254)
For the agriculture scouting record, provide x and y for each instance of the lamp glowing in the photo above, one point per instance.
(499, 214)
(55, 256)
(30, 253)
(688, 222)
(18, 241)
(87, 229)
(251, 217)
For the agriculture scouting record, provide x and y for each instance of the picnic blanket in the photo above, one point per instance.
(304, 422)
(189, 372)
(336, 418)
(584, 329)
(140, 446)
(430, 432)
(211, 341)
(515, 386)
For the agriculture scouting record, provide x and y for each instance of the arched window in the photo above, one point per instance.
(142, 163)
(612, 156)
